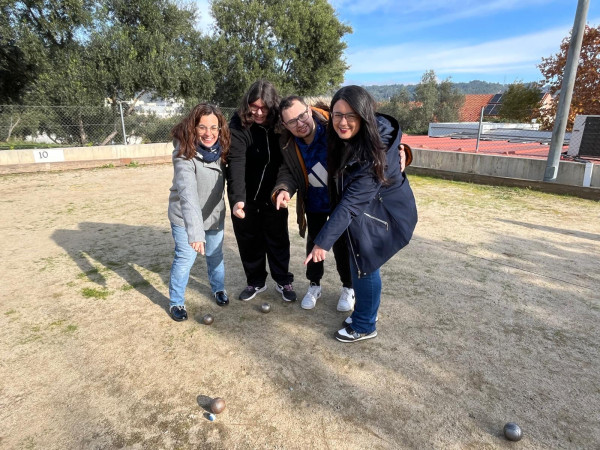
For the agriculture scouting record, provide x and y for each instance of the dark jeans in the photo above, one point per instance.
(367, 290)
(263, 236)
(315, 270)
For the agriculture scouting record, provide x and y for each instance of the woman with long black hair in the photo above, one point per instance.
(374, 204)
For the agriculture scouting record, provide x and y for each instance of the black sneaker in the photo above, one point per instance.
(287, 292)
(221, 298)
(178, 313)
(349, 335)
(250, 292)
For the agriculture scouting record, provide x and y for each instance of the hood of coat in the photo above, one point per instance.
(388, 128)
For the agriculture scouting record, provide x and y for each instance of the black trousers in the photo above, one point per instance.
(263, 236)
(315, 270)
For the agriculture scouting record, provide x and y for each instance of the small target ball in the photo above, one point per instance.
(212, 417)
(265, 307)
(208, 319)
(513, 432)
(217, 405)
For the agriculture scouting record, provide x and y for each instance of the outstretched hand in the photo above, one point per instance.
(317, 254)
(238, 210)
(282, 200)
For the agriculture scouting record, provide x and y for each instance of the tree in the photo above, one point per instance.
(520, 102)
(435, 102)
(450, 100)
(296, 44)
(426, 97)
(32, 33)
(399, 107)
(587, 82)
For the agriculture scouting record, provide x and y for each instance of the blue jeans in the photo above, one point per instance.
(184, 259)
(367, 290)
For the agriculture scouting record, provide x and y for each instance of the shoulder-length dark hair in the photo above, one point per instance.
(264, 90)
(366, 145)
(185, 131)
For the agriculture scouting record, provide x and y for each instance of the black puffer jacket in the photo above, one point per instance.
(253, 163)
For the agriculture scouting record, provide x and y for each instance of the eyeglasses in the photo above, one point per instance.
(203, 129)
(300, 118)
(255, 109)
(350, 117)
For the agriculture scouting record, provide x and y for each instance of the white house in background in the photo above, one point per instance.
(163, 108)
(148, 105)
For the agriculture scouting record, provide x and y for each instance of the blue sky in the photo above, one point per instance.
(501, 41)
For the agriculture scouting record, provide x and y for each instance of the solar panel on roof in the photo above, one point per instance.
(496, 98)
(487, 111)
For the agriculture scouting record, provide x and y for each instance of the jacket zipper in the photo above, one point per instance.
(265, 168)
(348, 236)
(378, 220)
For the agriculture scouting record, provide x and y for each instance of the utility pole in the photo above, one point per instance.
(566, 91)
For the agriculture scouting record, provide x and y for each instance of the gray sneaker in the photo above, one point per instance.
(346, 301)
(310, 299)
(348, 334)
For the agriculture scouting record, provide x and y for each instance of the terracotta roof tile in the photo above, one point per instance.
(471, 110)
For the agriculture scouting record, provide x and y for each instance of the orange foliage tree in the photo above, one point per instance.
(586, 91)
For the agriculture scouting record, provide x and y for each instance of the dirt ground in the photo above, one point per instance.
(490, 315)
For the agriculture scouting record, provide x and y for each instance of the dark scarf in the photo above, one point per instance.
(207, 154)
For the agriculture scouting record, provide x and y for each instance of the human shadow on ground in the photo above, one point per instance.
(569, 232)
(135, 253)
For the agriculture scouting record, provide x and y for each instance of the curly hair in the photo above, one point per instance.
(185, 131)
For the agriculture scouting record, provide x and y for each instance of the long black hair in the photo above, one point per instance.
(264, 90)
(366, 145)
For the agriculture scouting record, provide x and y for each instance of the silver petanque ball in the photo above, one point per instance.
(265, 307)
(208, 319)
(513, 432)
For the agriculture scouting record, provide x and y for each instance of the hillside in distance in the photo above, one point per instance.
(385, 92)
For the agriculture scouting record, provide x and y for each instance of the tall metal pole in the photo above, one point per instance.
(479, 130)
(123, 124)
(566, 91)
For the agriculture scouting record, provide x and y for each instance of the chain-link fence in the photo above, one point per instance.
(64, 126)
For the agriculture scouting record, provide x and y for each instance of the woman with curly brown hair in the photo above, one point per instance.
(196, 202)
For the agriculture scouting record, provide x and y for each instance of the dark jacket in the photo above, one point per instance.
(293, 176)
(379, 219)
(253, 162)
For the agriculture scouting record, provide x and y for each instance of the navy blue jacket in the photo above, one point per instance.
(379, 219)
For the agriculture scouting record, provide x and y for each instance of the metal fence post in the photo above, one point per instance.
(479, 131)
(123, 124)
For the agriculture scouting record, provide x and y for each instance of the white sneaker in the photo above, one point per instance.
(346, 301)
(310, 299)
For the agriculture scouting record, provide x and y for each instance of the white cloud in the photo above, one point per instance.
(497, 56)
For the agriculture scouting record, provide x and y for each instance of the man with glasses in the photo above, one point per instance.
(304, 170)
